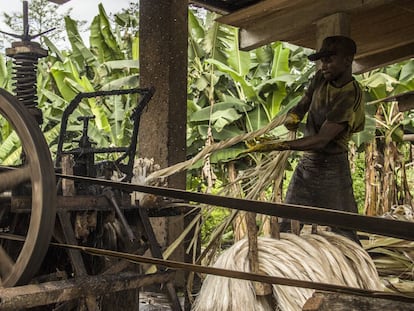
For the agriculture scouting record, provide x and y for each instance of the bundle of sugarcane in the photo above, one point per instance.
(325, 257)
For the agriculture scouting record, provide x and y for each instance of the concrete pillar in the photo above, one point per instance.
(163, 65)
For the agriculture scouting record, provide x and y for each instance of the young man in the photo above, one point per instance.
(334, 108)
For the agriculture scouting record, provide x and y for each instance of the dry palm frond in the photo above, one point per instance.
(271, 168)
(269, 171)
(393, 258)
(401, 212)
(179, 167)
(293, 257)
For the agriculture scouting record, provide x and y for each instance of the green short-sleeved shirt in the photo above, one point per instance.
(338, 105)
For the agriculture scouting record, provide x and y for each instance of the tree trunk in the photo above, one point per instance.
(389, 182)
(371, 179)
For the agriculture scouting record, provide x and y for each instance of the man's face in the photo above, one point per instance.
(334, 67)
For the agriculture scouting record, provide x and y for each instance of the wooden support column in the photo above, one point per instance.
(163, 65)
(335, 24)
(332, 25)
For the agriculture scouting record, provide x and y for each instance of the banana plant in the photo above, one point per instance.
(110, 62)
(385, 156)
(231, 91)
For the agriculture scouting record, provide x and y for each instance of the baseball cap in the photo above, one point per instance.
(334, 45)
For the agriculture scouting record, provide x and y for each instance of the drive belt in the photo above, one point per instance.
(176, 265)
(314, 215)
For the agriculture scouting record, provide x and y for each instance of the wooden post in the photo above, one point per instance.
(68, 186)
(34, 295)
(252, 239)
(335, 24)
(262, 289)
(323, 301)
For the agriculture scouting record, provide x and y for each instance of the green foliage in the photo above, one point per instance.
(110, 63)
(382, 83)
(211, 221)
(232, 92)
(358, 178)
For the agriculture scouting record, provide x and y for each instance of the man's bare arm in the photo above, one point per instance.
(327, 133)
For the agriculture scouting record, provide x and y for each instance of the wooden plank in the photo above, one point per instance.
(324, 301)
(70, 203)
(28, 296)
(261, 289)
(261, 10)
(157, 253)
(75, 256)
(322, 216)
(69, 190)
(68, 186)
(393, 23)
(295, 8)
(375, 59)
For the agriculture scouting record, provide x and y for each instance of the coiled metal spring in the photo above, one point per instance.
(24, 70)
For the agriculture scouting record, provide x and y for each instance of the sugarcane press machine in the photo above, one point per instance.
(55, 216)
(36, 207)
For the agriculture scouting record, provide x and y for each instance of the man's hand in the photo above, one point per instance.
(268, 146)
(292, 121)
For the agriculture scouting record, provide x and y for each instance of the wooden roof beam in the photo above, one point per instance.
(212, 5)
(374, 60)
(282, 20)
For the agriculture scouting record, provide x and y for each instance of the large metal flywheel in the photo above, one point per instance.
(33, 177)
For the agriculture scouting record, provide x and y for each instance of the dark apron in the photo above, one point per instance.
(322, 180)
